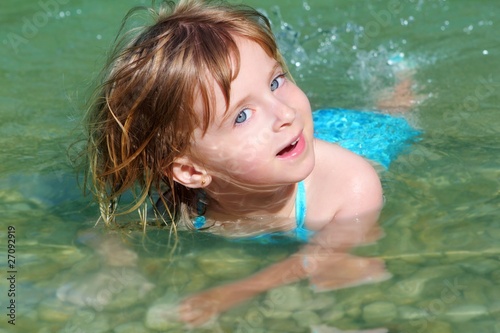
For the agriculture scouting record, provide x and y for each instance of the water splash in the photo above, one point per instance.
(323, 55)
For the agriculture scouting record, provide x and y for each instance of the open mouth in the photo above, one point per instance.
(293, 149)
(288, 149)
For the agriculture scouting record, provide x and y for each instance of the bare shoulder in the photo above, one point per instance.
(341, 184)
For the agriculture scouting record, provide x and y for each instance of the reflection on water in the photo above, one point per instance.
(440, 218)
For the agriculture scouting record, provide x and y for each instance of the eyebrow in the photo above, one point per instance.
(229, 111)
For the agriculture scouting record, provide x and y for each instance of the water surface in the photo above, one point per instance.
(443, 195)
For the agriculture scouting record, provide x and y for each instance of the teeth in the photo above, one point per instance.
(289, 147)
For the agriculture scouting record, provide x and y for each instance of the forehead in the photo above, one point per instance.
(216, 89)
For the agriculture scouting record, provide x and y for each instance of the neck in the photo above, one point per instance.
(233, 201)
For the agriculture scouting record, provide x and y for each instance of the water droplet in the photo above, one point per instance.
(469, 29)
(61, 14)
(78, 11)
(396, 59)
(99, 37)
(485, 52)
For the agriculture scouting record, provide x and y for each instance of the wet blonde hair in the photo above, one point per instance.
(143, 117)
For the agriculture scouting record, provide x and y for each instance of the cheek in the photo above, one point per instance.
(241, 162)
(238, 169)
(303, 101)
(299, 98)
(222, 158)
(237, 156)
(304, 108)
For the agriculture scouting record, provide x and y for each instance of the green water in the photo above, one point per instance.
(441, 220)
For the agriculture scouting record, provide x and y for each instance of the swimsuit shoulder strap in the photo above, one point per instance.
(300, 205)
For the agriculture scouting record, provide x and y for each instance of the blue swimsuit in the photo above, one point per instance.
(299, 233)
(376, 136)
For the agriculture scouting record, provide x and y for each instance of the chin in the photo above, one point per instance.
(308, 169)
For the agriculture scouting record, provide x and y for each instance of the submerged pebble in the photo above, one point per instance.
(186, 280)
(281, 325)
(53, 310)
(331, 316)
(350, 307)
(222, 264)
(286, 298)
(110, 288)
(475, 295)
(87, 321)
(441, 271)
(306, 318)
(45, 269)
(407, 290)
(321, 301)
(278, 314)
(466, 312)
(379, 312)
(481, 266)
(408, 312)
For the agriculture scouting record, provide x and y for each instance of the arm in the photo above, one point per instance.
(354, 222)
(328, 267)
(201, 307)
(324, 260)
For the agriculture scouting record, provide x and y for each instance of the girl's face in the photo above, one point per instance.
(266, 135)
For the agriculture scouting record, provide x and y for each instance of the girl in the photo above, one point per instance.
(200, 111)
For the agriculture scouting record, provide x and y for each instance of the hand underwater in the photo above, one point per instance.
(200, 308)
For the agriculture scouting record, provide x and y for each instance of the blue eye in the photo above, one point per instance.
(243, 116)
(277, 82)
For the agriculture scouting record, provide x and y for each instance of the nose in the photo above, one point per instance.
(285, 115)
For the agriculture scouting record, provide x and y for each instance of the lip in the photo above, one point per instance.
(296, 150)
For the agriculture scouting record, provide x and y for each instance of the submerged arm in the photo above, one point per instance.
(325, 260)
(328, 267)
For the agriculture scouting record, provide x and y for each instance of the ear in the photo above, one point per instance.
(190, 174)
